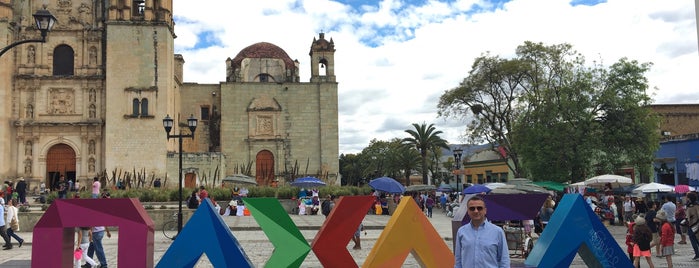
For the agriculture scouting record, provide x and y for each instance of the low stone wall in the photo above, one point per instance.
(27, 220)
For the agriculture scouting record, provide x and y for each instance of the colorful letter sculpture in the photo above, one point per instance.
(205, 232)
(290, 247)
(574, 228)
(330, 243)
(56, 230)
(408, 231)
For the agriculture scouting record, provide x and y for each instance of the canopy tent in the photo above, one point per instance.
(552, 185)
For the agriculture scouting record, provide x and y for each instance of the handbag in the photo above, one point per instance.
(14, 224)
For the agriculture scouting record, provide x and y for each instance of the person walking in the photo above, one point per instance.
(356, 238)
(21, 190)
(12, 218)
(84, 239)
(96, 186)
(62, 187)
(642, 238)
(680, 216)
(667, 237)
(480, 243)
(96, 245)
(629, 208)
(3, 231)
(429, 204)
(693, 223)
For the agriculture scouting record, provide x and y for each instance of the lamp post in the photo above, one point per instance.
(44, 22)
(457, 159)
(192, 124)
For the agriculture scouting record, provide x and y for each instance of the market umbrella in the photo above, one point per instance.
(239, 179)
(477, 189)
(420, 188)
(445, 188)
(552, 185)
(654, 187)
(307, 182)
(494, 185)
(614, 180)
(683, 189)
(510, 207)
(507, 189)
(386, 184)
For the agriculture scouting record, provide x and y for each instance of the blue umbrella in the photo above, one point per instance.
(386, 184)
(477, 189)
(307, 182)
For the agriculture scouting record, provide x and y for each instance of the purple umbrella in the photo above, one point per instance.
(477, 189)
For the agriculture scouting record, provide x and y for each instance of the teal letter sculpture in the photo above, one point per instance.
(574, 228)
(290, 247)
(205, 232)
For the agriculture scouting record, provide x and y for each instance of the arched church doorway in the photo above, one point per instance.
(264, 168)
(60, 160)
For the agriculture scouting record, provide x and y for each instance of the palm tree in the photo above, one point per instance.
(424, 138)
(407, 159)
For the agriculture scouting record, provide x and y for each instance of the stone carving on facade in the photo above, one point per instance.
(30, 111)
(85, 16)
(93, 95)
(28, 148)
(93, 111)
(91, 147)
(92, 56)
(61, 101)
(265, 126)
(27, 166)
(31, 55)
(91, 164)
(64, 3)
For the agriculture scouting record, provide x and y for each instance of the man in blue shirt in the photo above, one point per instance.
(480, 243)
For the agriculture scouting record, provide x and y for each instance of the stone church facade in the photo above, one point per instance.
(90, 101)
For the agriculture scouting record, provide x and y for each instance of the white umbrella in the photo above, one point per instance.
(601, 180)
(654, 187)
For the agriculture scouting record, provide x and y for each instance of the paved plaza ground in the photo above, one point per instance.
(259, 249)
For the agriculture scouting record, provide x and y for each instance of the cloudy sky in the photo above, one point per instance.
(395, 58)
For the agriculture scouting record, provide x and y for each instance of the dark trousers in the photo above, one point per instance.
(3, 233)
(11, 234)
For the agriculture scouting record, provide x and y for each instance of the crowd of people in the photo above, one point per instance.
(652, 228)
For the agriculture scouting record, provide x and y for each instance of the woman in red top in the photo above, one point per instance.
(667, 237)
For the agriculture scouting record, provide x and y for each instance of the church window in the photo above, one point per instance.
(139, 7)
(63, 60)
(136, 105)
(144, 106)
(264, 77)
(205, 115)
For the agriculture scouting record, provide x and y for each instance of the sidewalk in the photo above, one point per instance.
(259, 249)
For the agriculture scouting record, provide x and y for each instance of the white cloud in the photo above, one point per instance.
(395, 58)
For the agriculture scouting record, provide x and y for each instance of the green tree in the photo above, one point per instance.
(425, 138)
(489, 100)
(582, 120)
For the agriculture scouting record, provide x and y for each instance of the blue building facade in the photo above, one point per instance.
(677, 162)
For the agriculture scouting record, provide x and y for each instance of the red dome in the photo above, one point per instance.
(263, 50)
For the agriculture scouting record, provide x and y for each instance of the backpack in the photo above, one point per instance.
(325, 207)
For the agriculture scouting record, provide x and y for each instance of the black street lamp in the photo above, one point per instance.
(457, 159)
(192, 124)
(44, 22)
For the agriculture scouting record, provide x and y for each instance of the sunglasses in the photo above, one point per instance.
(475, 208)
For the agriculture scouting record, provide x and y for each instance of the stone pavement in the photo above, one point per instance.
(258, 248)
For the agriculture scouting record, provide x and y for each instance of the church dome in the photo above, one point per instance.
(263, 50)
